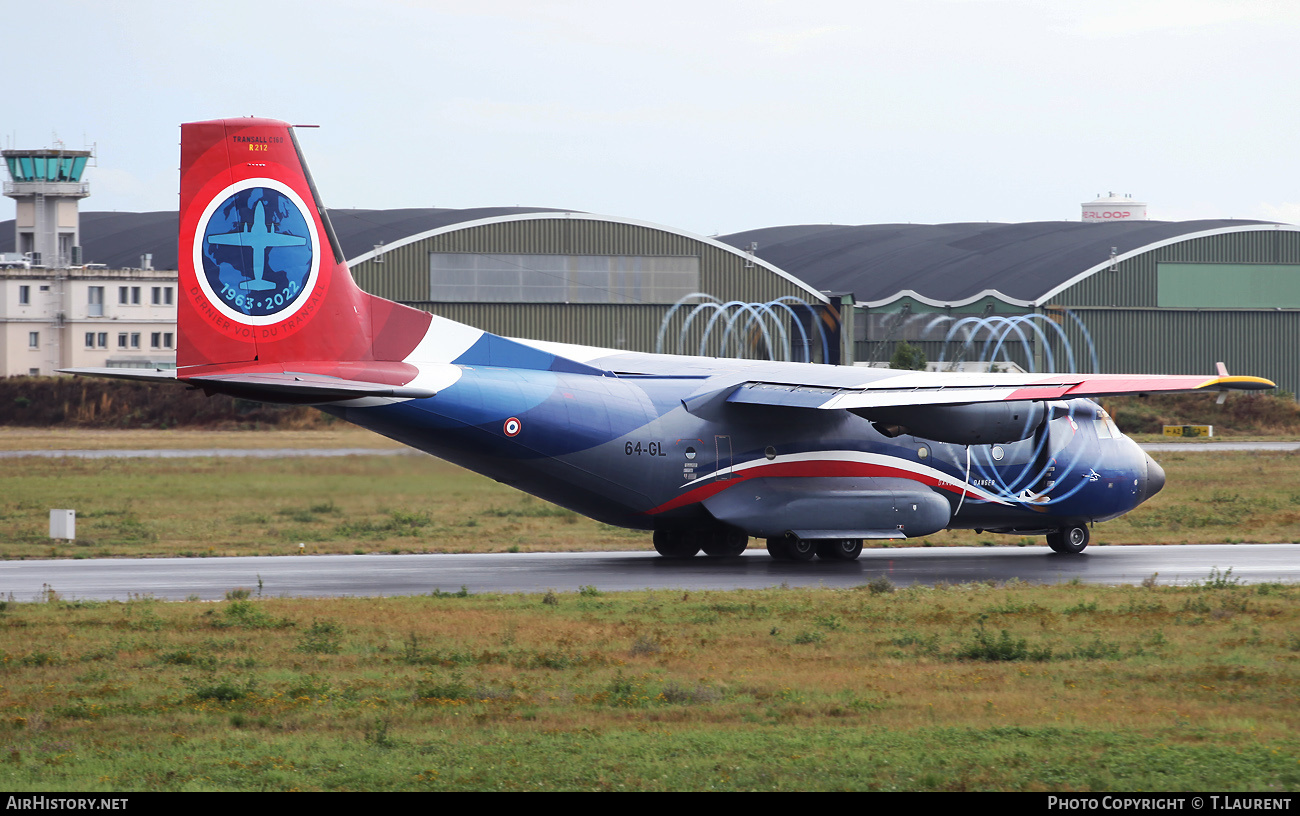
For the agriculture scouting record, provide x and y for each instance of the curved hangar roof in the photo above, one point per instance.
(939, 264)
(954, 264)
(118, 239)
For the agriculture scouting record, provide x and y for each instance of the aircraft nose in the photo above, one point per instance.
(1155, 478)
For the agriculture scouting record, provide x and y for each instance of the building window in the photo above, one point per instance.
(135, 295)
(155, 339)
(167, 337)
(167, 296)
(500, 278)
(95, 301)
(101, 340)
(121, 340)
(135, 340)
(123, 295)
(90, 339)
(24, 295)
(33, 372)
(33, 340)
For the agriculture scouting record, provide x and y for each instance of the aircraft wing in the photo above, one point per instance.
(285, 387)
(918, 388)
(228, 239)
(280, 239)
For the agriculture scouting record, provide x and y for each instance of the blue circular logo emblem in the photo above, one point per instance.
(258, 252)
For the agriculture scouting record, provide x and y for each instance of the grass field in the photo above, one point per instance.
(972, 687)
(339, 435)
(415, 503)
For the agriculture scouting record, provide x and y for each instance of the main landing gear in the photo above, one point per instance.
(717, 542)
(723, 542)
(1069, 540)
(801, 549)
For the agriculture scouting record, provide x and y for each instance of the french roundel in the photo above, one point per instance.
(512, 427)
(256, 252)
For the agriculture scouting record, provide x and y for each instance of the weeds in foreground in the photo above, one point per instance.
(880, 585)
(246, 615)
(322, 637)
(1003, 648)
(438, 593)
(1221, 579)
(1177, 687)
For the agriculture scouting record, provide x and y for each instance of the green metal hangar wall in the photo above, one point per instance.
(588, 279)
(1138, 296)
(546, 274)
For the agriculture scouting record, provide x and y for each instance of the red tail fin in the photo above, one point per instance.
(264, 281)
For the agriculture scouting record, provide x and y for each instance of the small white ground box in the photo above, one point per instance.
(63, 524)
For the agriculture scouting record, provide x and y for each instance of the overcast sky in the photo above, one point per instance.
(710, 116)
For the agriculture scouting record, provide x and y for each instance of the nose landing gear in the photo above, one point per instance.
(1069, 540)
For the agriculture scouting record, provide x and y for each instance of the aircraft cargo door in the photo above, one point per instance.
(722, 445)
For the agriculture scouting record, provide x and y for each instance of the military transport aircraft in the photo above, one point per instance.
(703, 452)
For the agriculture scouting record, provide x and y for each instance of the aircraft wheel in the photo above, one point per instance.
(801, 549)
(725, 543)
(777, 549)
(1069, 540)
(675, 544)
(839, 549)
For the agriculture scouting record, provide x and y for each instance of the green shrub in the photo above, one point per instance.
(1004, 648)
(247, 615)
(322, 637)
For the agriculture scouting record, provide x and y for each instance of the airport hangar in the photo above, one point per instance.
(535, 273)
(1167, 297)
(1141, 296)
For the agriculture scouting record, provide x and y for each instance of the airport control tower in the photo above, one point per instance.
(47, 184)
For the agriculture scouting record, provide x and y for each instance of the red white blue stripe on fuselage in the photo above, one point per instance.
(827, 463)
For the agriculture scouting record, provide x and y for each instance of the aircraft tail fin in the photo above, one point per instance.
(265, 287)
(262, 276)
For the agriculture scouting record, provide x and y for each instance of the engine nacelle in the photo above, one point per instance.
(981, 423)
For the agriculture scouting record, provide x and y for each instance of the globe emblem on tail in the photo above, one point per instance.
(258, 254)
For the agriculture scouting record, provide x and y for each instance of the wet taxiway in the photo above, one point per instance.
(373, 575)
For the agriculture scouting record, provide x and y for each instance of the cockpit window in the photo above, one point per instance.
(1106, 427)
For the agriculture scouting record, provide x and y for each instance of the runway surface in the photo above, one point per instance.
(374, 575)
(370, 575)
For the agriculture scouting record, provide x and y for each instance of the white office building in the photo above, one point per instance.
(64, 318)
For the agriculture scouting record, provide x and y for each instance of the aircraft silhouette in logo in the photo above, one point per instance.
(260, 237)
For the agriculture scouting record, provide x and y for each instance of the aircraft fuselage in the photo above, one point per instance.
(627, 451)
